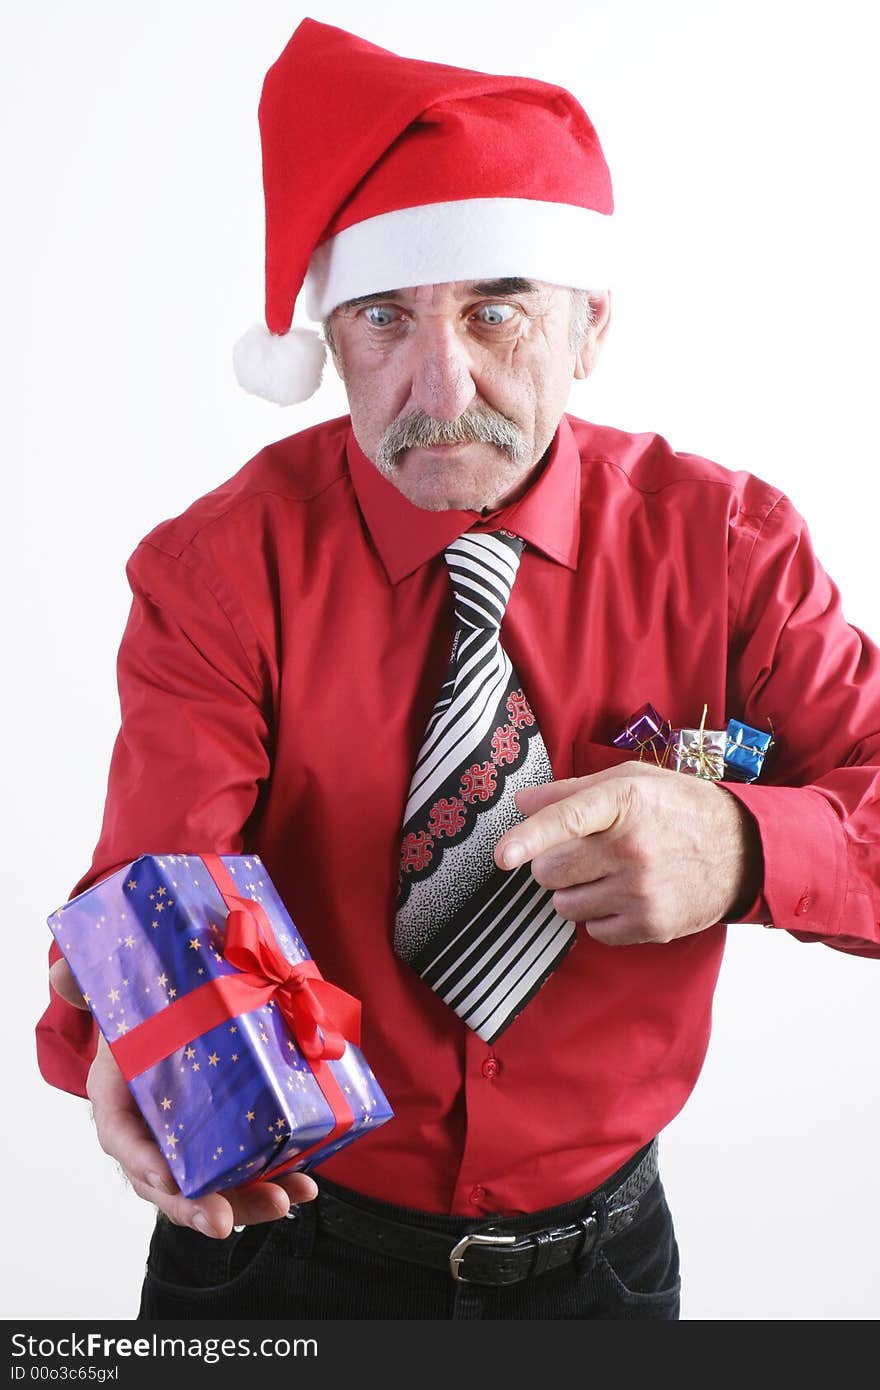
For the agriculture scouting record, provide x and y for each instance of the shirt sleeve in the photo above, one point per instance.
(800, 669)
(191, 756)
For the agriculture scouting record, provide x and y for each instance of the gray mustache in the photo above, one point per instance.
(477, 425)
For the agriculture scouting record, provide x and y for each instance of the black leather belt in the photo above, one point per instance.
(492, 1254)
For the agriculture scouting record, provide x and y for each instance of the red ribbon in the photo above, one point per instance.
(319, 1015)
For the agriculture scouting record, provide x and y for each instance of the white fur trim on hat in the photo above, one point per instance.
(471, 239)
(285, 368)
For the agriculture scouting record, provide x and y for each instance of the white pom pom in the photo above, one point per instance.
(284, 368)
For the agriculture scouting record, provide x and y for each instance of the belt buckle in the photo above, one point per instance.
(457, 1253)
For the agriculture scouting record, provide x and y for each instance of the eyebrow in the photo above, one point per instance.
(506, 284)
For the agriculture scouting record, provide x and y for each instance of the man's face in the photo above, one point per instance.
(456, 390)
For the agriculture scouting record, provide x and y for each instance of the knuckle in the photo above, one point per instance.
(573, 817)
(640, 853)
(174, 1209)
(633, 798)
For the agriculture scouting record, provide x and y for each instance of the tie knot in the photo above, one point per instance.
(482, 568)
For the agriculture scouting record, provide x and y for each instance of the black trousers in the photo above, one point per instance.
(292, 1268)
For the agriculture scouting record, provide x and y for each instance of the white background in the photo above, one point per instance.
(742, 139)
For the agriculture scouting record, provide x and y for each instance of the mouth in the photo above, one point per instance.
(442, 448)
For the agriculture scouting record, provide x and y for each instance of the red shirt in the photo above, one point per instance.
(288, 635)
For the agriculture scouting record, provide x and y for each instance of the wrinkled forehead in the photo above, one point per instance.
(454, 292)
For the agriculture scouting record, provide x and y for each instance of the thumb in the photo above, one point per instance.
(62, 980)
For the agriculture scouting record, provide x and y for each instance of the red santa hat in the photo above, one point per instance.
(382, 172)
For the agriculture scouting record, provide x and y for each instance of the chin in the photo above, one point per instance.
(436, 495)
(440, 490)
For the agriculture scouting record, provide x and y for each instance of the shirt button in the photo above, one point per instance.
(804, 905)
(477, 1194)
(491, 1067)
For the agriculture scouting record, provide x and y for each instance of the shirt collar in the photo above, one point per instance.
(406, 536)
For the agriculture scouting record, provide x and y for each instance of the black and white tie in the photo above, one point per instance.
(483, 938)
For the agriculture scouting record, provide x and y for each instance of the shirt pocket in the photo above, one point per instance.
(588, 757)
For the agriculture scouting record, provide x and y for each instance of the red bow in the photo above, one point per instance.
(319, 1015)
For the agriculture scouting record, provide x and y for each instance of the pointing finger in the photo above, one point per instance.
(580, 813)
(532, 799)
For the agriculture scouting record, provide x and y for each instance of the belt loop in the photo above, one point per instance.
(586, 1256)
(544, 1243)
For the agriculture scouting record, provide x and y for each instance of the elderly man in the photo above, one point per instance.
(391, 656)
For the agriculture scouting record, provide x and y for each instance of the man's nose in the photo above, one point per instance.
(442, 383)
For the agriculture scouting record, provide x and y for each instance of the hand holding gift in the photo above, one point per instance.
(239, 1059)
(125, 1136)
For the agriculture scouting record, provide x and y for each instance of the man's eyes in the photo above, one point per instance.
(379, 315)
(487, 315)
(494, 315)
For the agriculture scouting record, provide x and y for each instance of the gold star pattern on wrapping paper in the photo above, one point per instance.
(163, 892)
(300, 1078)
(131, 885)
(154, 924)
(123, 1027)
(113, 995)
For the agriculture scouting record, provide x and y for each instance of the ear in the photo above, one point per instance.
(588, 352)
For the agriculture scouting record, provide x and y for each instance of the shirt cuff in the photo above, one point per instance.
(804, 859)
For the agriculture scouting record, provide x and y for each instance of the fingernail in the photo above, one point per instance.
(201, 1223)
(156, 1180)
(514, 854)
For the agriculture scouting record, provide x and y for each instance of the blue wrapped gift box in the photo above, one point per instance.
(252, 1082)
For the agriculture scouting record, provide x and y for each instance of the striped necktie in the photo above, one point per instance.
(483, 938)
